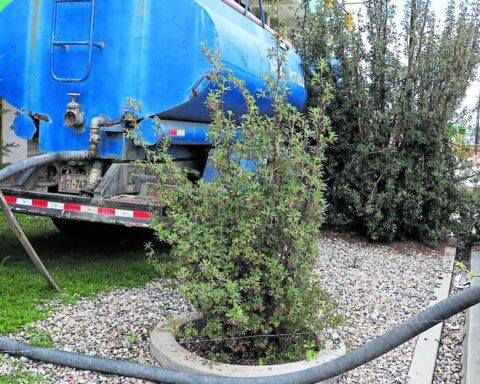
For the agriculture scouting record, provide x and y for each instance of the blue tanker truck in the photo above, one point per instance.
(68, 67)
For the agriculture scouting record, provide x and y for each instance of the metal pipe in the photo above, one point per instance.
(256, 20)
(370, 351)
(20, 167)
(95, 138)
(37, 161)
(97, 168)
(262, 14)
(94, 177)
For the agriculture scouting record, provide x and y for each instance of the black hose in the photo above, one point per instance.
(39, 160)
(370, 351)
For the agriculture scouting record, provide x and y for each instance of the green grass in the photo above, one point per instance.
(19, 375)
(39, 337)
(83, 265)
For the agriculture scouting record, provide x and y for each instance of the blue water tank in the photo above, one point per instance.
(110, 50)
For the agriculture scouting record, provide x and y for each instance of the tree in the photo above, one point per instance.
(393, 171)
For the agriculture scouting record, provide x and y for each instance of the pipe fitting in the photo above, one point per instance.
(97, 168)
(95, 138)
(74, 116)
(93, 177)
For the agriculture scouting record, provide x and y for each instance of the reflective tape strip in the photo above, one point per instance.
(123, 213)
(89, 209)
(177, 132)
(142, 215)
(72, 208)
(27, 202)
(40, 203)
(11, 200)
(106, 211)
(57, 206)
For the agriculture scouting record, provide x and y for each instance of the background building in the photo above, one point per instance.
(7, 136)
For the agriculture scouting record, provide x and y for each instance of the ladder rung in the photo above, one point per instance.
(100, 45)
(65, 44)
(62, 43)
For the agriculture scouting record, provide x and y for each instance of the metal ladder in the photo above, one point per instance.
(65, 44)
(260, 7)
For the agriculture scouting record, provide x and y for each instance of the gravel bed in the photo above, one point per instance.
(114, 325)
(376, 287)
(449, 360)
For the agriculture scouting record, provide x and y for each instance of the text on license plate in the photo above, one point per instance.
(72, 183)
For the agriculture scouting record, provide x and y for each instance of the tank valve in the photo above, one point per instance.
(74, 116)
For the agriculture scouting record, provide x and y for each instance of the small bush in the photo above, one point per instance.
(247, 241)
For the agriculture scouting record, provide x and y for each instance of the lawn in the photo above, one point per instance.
(83, 265)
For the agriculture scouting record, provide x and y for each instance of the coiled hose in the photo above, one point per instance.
(370, 351)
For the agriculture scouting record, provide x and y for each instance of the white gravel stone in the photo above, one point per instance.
(114, 325)
(376, 287)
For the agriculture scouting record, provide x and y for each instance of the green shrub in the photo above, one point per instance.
(247, 241)
(393, 172)
(5, 149)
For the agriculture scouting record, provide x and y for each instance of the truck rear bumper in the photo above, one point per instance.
(122, 210)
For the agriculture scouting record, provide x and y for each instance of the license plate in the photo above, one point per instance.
(72, 183)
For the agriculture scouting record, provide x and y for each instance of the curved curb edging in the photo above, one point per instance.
(172, 355)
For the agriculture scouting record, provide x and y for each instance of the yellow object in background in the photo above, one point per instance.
(349, 20)
(329, 3)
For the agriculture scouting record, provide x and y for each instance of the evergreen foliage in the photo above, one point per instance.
(393, 172)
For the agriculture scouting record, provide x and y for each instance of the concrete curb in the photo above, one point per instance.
(172, 355)
(424, 358)
(471, 344)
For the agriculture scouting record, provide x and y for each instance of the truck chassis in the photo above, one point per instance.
(122, 210)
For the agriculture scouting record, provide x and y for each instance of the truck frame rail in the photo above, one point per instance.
(128, 211)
